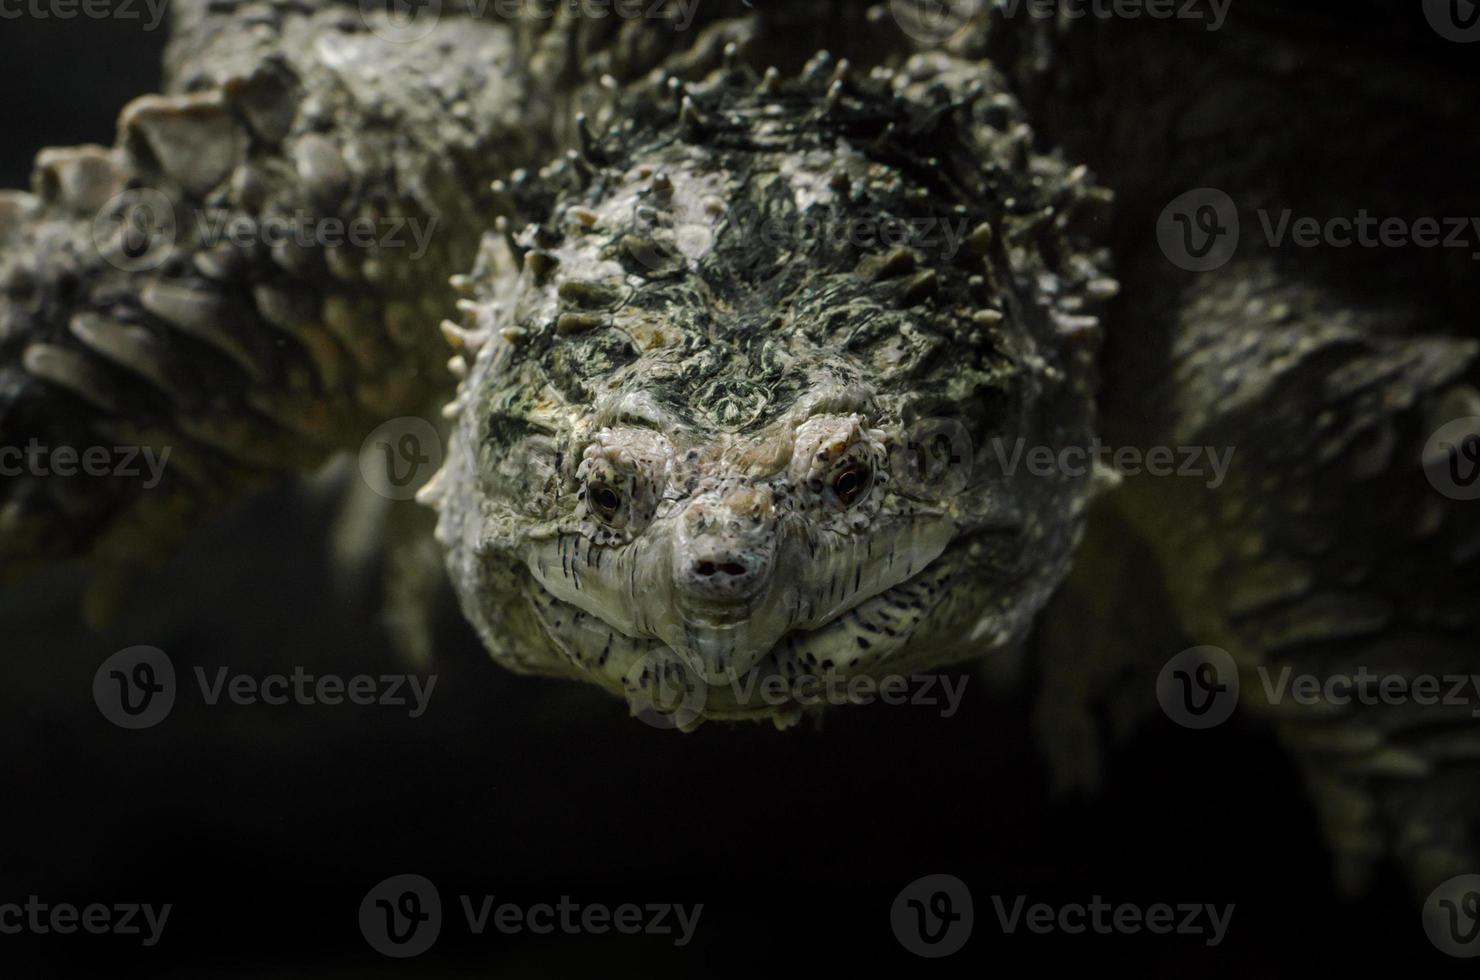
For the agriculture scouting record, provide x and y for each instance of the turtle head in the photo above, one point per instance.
(737, 531)
(731, 383)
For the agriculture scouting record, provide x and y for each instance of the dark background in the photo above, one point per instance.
(265, 826)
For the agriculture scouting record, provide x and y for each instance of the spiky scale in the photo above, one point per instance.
(673, 306)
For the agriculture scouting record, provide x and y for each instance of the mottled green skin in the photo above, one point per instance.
(1327, 370)
(719, 375)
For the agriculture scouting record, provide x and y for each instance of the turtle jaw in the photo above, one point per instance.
(788, 586)
(873, 638)
(649, 593)
(714, 641)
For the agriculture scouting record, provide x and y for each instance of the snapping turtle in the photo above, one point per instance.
(709, 429)
(794, 364)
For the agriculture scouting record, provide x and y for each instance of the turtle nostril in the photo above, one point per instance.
(709, 568)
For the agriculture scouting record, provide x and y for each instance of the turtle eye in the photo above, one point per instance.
(852, 483)
(620, 483)
(605, 502)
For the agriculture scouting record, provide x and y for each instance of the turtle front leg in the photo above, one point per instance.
(251, 279)
(245, 283)
(1337, 556)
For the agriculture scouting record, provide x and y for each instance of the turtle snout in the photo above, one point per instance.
(721, 569)
(726, 546)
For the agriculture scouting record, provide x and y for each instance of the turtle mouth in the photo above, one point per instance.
(718, 614)
(868, 635)
(866, 638)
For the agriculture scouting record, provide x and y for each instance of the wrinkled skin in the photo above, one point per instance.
(696, 449)
(1328, 370)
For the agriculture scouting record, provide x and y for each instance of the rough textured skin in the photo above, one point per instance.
(126, 289)
(1327, 550)
(635, 338)
(125, 285)
(698, 442)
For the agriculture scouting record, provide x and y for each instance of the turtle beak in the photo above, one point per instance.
(723, 565)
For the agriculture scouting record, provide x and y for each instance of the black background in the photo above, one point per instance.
(265, 826)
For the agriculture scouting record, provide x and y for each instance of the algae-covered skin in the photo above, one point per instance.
(748, 385)
(718, 426)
